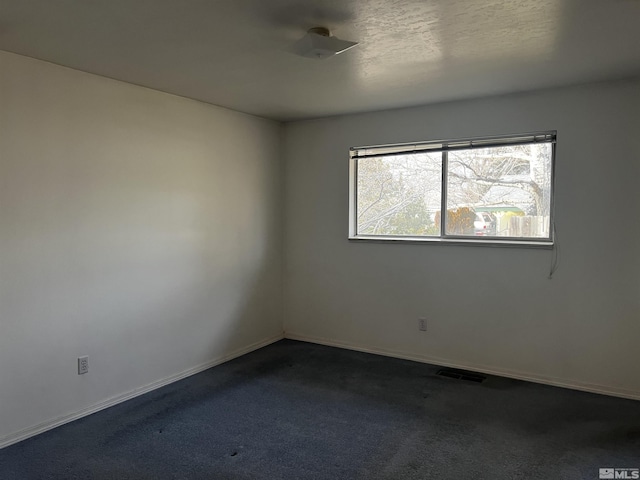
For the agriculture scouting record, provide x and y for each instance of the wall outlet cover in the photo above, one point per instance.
(83, 365)
(422, 324)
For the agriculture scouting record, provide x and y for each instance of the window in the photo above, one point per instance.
(496, 190)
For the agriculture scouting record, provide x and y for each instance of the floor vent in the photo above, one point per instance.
(461, 375)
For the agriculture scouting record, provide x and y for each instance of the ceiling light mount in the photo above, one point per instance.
(319, 44)
(322, 31)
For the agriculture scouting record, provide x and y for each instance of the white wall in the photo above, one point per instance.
(139, 228)
(491, 309)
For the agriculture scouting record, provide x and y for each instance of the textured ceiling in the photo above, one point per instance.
(237, 53)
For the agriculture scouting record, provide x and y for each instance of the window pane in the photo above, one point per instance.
(500, 192)
(399, 194)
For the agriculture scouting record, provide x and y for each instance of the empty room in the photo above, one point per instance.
(297, 239)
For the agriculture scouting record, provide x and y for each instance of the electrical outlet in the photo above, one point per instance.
(422, 324)
(83, 365)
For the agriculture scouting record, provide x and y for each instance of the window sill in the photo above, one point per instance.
(456, 241)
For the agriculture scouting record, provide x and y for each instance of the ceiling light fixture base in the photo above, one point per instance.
(320, 45)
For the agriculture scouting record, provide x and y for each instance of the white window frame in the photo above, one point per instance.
(444, 146)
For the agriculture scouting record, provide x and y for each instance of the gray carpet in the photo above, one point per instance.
(294, 410)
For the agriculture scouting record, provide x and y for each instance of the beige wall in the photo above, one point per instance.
(491, 309)
(139, 228)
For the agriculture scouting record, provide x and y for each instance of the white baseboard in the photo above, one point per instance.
(556, 382)
(56, 422)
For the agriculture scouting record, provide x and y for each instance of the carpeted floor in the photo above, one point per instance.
(294, 410)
